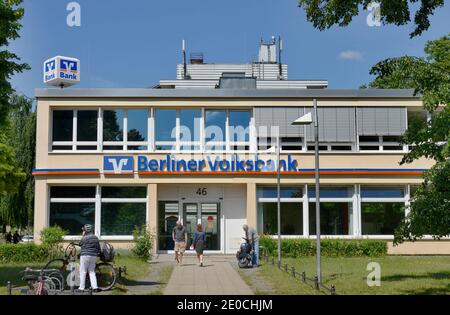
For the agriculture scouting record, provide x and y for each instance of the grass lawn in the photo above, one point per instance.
(399, 275)
(136, 269)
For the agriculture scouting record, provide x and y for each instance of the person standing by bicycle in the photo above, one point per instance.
(90, 249)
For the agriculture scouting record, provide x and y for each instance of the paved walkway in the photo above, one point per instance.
(217, 276)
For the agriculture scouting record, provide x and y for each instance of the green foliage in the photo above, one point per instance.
(10, 176)
(16, 208)
(329, 247)
(430, 77)
(143, 242)
(22, 253)
(327, 13)
(51, 238)
(10, 25)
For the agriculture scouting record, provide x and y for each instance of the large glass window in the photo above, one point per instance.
(381, 218)
(382, 192)
(62, 125)
(331, 192)
(215, 132)
(165, 129)
(167, 218)
(239, 125)
(336, 218)
(113, 129)
(190, 126)
(137, 120)
(291, 218)
(123, 209)
(72, 207)
(87, 125)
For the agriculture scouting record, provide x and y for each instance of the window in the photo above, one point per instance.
(380, 143)
(239, 129)
(72, 207)
(336, 218)
(167, 218)
(87, 129)
(285, 192)
(190, 127)
(291, 208)
(62, 125)
(122, 209)
(265, 144)
(336, 210)
(137, 130)
(381, 218)
(165, 129)
(291, 218)
(215, 129)
(291, 143)
(382, 209)
(113, 129)
(331, 146)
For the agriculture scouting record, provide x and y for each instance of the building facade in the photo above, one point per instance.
(202, 151)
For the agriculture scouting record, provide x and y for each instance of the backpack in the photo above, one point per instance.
(107, 252)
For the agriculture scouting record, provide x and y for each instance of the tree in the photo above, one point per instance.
(10, 25)
(327, 13)
(16, 207)
(430, 76)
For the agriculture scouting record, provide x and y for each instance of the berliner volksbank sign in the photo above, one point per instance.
(168, 164)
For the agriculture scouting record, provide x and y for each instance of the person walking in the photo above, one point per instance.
(199, 243)
(90, 249)
(16, 237)
(8, 237)
(179, 235)
(253, 239)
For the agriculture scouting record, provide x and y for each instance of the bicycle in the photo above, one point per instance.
(42, 281)
(105, 272)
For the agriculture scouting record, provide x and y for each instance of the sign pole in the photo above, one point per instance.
(278, 201)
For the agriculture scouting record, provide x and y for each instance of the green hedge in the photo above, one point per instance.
(329, 247)
(22, 253)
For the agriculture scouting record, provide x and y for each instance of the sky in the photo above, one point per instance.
(134, 44)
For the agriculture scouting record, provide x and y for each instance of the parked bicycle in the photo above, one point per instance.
(105, 271)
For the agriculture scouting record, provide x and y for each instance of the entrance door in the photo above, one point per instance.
(190, 219)
(208, 214)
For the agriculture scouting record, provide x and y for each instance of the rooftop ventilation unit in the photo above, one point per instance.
(196, 58)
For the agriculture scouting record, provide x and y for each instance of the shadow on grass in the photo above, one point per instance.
(430, 291)
(429, 275)
(132, 283)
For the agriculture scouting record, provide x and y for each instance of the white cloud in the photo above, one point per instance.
(350, 55)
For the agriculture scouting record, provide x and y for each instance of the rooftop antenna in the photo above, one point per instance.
(280, 48)
(183, 48)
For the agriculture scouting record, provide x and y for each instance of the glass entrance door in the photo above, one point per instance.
(190, 220)
(210, 214)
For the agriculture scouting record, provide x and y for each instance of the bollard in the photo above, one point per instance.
(286, 267)
(293, 271)
(273, 261)
(279, 264)
(316, 282)
(9, 288)
(333, 290)
(303, 276)
(90, 291)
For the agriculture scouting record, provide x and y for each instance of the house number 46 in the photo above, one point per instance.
(202, 191)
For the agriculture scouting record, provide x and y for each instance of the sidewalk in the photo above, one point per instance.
(217, 276)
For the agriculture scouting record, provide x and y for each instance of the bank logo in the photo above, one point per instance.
(118, 165)
(68, 65)
(50, 66)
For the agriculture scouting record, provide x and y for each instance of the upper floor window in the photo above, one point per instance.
(165, 129)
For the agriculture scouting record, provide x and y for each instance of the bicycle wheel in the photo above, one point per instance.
(106, 276)
(58, 266)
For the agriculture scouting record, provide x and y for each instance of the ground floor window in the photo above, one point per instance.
(113, 210)
(336, 218)
(291, 214)
(381, 218)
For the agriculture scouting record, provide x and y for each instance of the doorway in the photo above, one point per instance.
(206, 213)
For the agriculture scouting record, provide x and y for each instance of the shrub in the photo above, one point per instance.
(22, 253)
(143, 243)
(329, 247)
(51, 238)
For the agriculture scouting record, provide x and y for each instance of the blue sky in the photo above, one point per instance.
(135, 43)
